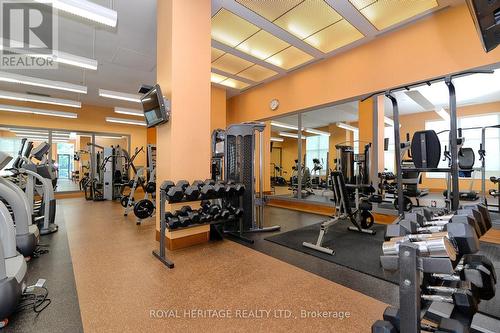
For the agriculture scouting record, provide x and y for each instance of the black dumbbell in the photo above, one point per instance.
(192, 193)
(237, 212)
(208, 192)
(175, 194)
(204, 217)
(224, 214)
(184, 210)
(230, 190)
(240, 189)
(209, 182)
(195, 217)
(476, 270)
(172, 220)
(464, 300)
(220, 190)
(198, 183)
(205, 206)
(166, 185)
(185, 221)
(182, 183)
(214, 209)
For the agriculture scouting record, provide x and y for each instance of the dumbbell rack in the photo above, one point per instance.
(161, 253)
(411, 266)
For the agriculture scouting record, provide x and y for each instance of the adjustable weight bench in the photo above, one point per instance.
(343, 211)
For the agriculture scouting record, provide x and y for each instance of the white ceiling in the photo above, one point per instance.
(470, 90)
(126, 54)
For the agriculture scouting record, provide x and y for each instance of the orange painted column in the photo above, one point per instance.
(183, 72)
(371, 129)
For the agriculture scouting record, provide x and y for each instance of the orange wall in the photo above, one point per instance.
(217, 108)
(90, 118)
(416, 122)
(445, 42)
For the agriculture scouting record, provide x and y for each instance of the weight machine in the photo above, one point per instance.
(422, 164)
(239, 167)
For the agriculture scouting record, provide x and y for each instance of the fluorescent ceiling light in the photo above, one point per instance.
(39, 99)
(22, 130)
(131, 112)
(277, 139)
(290, 135)
(74, 60)
(19, 109)
(119, 95)
(318, 132)
(443, 114)
(109, 137)
(36, 82)
(277, 124)
(56, 55)
(86, 9)
(125, 121)
(347, 127)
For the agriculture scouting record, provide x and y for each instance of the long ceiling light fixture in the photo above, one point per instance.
(282, 125)
(347, 127)
(317, 132)
(277, 139)
(36, 82)
(19, 109)
(39, 99)
(443, 114)
(130, 112)
(291, 135)
(119, 95)
(86, 9)
(73, 60)
(125, 121)
(56, 55)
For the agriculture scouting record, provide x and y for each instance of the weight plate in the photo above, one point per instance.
(367, 219)
(408, 205)
(144, 208)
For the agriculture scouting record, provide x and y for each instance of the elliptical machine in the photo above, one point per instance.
(13, 268)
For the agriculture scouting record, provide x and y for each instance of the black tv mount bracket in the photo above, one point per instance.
(144, 88)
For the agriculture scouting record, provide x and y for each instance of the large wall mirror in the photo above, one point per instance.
(70, 151)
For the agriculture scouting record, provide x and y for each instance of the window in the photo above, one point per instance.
(10, 146)
(317, 147)
(472, 140)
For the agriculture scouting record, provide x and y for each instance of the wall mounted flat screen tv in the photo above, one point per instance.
(156, 108)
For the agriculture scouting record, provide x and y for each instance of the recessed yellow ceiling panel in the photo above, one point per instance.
(231, 64)
(262, 45)
(231, 29)
(216, 53)
(360, 4)
(234, 84)
(335, 36)
(216, 78)
(289, 58)
(308, 18)
(270, 9)
(257, 73)
(383, 14)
